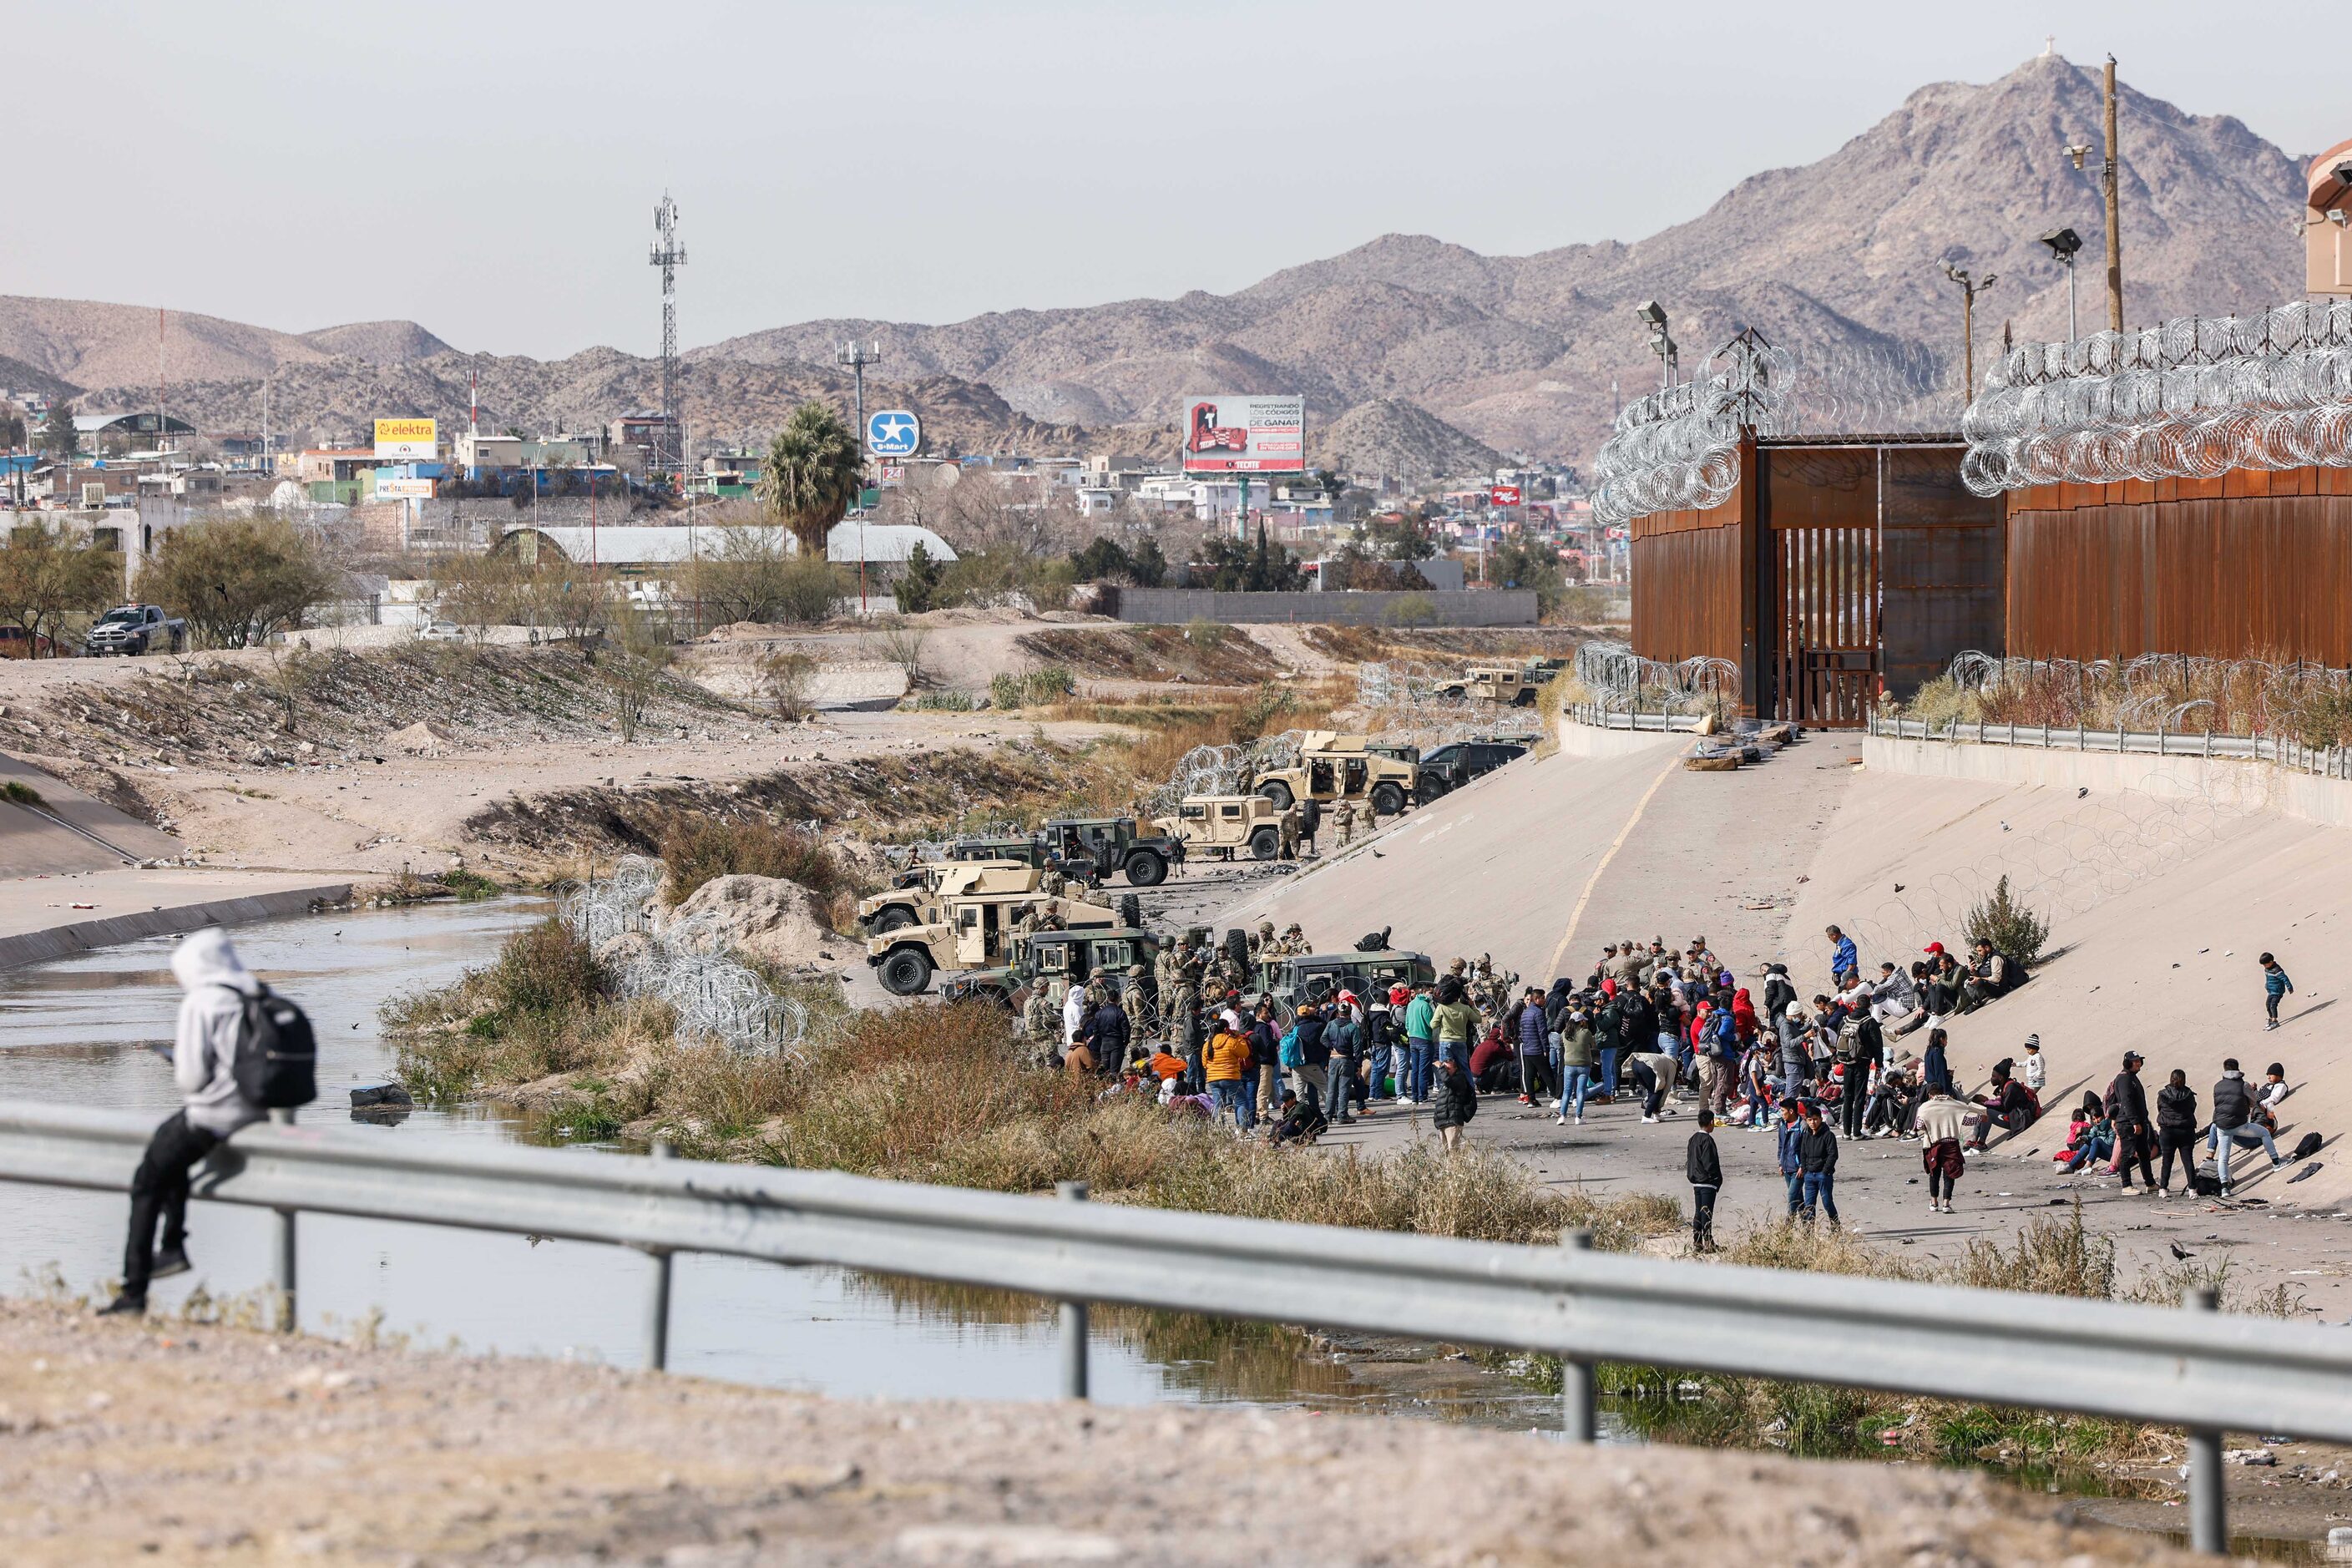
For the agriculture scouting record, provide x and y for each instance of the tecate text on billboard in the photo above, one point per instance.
(1244, 433)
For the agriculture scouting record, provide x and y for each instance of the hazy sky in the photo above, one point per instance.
(489, 169)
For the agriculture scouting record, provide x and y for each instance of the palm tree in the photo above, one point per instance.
(812, 475)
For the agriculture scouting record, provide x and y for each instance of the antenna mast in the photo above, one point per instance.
(669, 256)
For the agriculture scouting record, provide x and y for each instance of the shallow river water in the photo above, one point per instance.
(80, 1031)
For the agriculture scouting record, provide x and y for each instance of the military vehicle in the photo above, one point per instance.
(1506, 683)
(1024, 849)
(1332, 768)
(1068, 956)
(976, 923)
(1227, 826)
(1452, 765)
(913, 897)
(1091, 847)
(1318, 977)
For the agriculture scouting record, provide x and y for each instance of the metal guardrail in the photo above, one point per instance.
(2323, 762)
(2190, 1368)
(1631, 719)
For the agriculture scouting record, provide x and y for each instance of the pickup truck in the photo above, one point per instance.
(135, 629)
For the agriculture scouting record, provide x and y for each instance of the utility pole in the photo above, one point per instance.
(1970, 290)
(855, 357)
(2114, 217)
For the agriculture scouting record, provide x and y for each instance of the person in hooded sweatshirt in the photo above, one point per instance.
(203, 1065)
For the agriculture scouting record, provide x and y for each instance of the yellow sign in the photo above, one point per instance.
(397, 439)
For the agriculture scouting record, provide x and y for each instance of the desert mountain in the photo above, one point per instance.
(1414, 354)
(1390, 437)
(1841, 256)
(336, 399)
(86, 344)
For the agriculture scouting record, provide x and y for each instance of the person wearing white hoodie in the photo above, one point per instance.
(203, 1064)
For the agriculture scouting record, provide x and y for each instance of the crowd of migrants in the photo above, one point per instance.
(1651, 1027)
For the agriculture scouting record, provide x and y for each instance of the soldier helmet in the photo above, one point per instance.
(1135, 971)
(1457, 966)
(1266, 928)
(1293, 930)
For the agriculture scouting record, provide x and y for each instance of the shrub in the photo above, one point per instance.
(1412, 610)
(1252, 719)
(1050, 683)
(20, 792)
(941, 703)
(2010, 926)
(808, 591)
(1202, 632)
(1005, 690)
(699, 850)
(544, 969)
(785, 676)
(920, 588)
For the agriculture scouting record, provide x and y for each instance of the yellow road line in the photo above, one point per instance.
(1577, 914)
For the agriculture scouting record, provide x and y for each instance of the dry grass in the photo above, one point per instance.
(699, 850)
(2271, 696)
(929, 1093)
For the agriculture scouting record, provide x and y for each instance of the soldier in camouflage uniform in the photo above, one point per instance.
(1040, 1017)
(1137, 1002)
(1052, 881)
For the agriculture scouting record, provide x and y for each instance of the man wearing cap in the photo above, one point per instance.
(2127, 1108)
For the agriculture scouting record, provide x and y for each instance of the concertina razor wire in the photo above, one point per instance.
(1678, 449)
(2190, 398)
(1619, 679)
(688, 964)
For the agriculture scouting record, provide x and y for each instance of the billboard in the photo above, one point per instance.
(1244, 433)
(397, 439)
(893, 433)
(404, 490)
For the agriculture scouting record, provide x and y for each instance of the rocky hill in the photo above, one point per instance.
(336, 399)
(1840, 257)
(78, 345)
(1393, 438)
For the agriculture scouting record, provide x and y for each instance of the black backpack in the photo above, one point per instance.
(276, 1054)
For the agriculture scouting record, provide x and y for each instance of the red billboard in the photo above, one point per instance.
(1505, 495)
(1244, 433)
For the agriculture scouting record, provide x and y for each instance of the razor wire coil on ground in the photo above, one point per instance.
(689, 964)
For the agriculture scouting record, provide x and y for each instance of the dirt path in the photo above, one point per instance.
(200, 1445)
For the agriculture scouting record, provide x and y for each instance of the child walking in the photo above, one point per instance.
(2275, 984)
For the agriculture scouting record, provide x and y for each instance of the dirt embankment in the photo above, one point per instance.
(1220, 655)
(874, 796)
(126, 732)
(1353, 644)
(198, 1443)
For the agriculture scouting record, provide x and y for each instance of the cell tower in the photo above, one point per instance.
(669, 256)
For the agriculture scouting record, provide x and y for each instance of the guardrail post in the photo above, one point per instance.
(1576, 1419)
(2208, 1522)
(281, 1252)
(1074, 1316)
(658, 1293)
